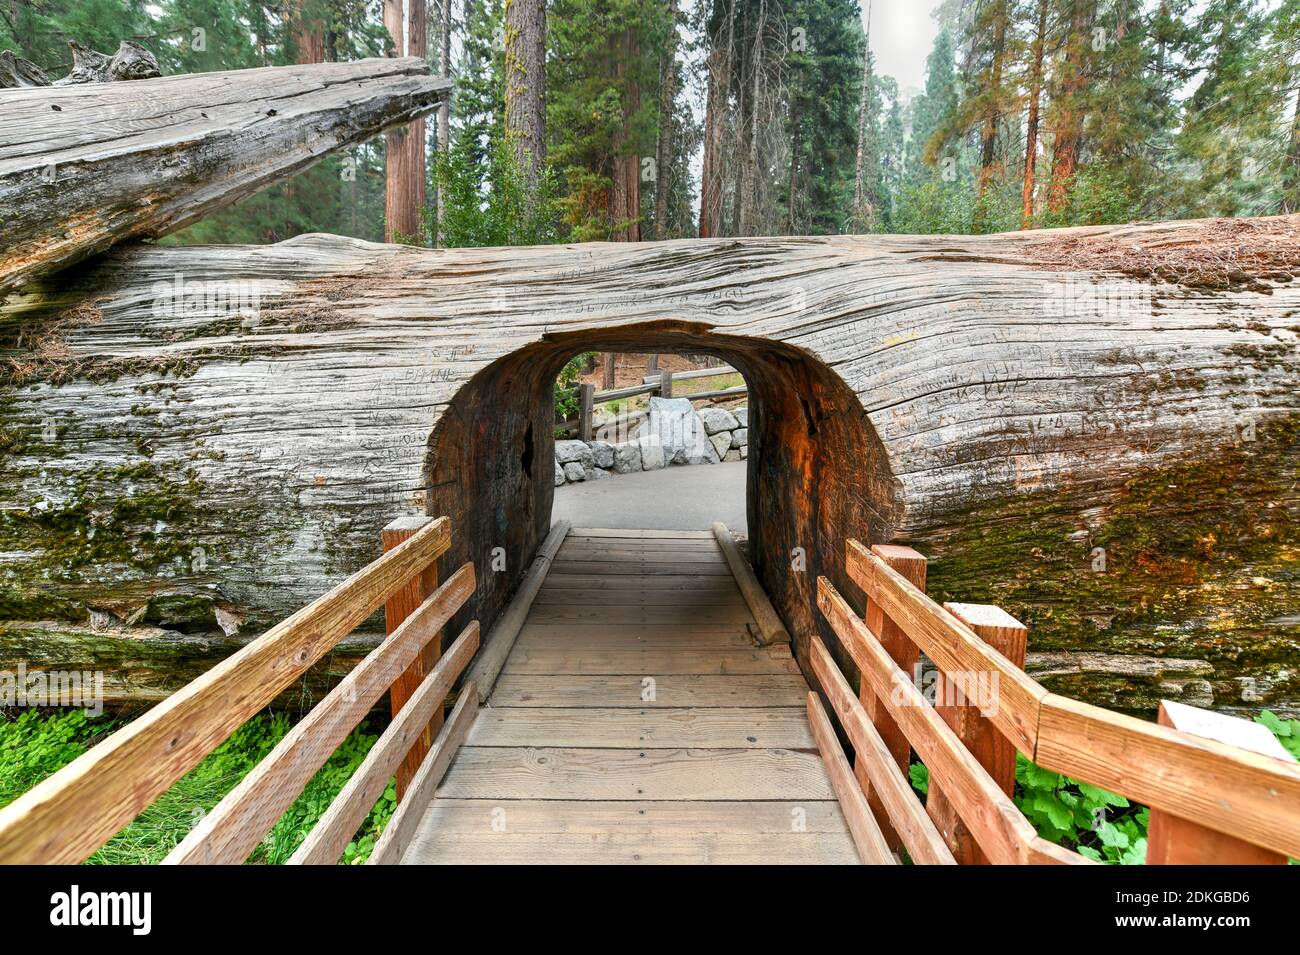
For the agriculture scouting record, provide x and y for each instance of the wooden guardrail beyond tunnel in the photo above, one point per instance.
(1219, 789)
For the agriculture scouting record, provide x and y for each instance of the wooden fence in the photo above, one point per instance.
(1220, 789)
(72, 813)
(661, 385)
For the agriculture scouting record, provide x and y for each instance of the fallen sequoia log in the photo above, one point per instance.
(84, 166)
(1094, 428)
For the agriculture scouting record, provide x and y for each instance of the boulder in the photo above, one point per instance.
(731, 456)
(568, 452)
(596, 474)
(681, 432)
(675, 422)
(652, 452)
(742, 416)
(559, 474)
(718, 419)
(627, 457)
(744, 452)
(574, 471)
(740, 437)
(721, 443)
(602, 454)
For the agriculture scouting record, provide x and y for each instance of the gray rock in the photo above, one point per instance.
(567, 452)
(721, 443)
(597, 474)
(559, 474)
(675, 422)
(744, 452)
(680, 431)
(574, 471)
(740, 437)
(602, 454)
(742, 416)
(652, 452)
(718, 419)
(627, 457)
(731, 456)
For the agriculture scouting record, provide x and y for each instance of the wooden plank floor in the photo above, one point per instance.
(638, 721)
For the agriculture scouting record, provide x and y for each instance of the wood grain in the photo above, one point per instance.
(108, 786)
(706, 727)
(680, 774)
(233, 828)
(335, 828)
(401, 828)
(872, 847)
(1225, 788)
(85, 166)
(631, 690)
(907, 817)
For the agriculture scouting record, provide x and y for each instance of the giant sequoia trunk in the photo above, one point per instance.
(405, 184)
(82, 167)
(1110, 457)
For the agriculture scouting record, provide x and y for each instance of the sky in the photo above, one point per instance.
(902, 32)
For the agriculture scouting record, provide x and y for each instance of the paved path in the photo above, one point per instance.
(685, 497)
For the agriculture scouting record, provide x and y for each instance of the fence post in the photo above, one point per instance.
(905, 653)
(958, 703)
(1172, 840)
(609, 370)
(400, 606)
(666, 383)
(586, 400)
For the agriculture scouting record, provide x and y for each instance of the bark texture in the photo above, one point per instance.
(85, 166)
(217, 434)
(526, 85)
(405, 183)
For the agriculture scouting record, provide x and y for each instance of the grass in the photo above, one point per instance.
(33, 745)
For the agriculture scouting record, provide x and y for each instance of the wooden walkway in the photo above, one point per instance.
(636, 720)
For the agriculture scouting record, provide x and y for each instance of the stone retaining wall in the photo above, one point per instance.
(674, 433)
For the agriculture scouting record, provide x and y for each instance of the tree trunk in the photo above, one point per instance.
(1070, 112)
(793, 195)
(122, 172)
(863, 213)
(625, 194)
(405, 181)
(1291, 171)
(1117, 472)
(664, 146)
(308, 38)
(747, 188)
(715, 120)
(526, 86)
(989, 133)
(1031, 124)
(444, 110)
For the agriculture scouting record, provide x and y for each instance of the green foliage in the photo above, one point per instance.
(566, 392)
(487, 201)
(34, 745)
(1286, 731)
(1101, 825)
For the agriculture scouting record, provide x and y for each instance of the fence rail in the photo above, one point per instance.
(1219, 788)
(75, 811)
(661, 385)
